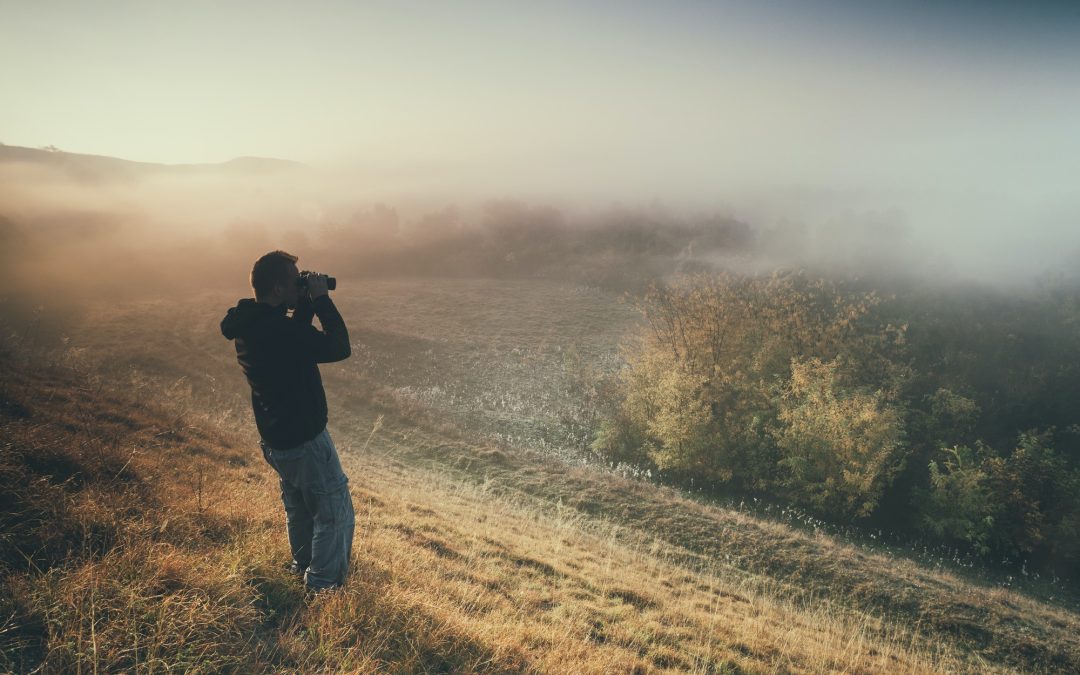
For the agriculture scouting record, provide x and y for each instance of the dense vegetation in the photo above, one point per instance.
(947, 414)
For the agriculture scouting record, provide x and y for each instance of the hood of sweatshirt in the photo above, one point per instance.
(247, 313)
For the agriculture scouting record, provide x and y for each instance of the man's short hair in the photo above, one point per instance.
(271, 269)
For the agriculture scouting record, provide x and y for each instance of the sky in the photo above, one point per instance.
(956, 109)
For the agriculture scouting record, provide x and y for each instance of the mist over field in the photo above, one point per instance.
(86, 225)
(682, 337)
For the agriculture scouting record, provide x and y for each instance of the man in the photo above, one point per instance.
(279, 354)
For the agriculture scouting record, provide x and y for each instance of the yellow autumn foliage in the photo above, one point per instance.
(841, 445)
(737, 380)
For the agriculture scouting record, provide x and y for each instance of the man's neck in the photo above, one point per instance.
(269, 302)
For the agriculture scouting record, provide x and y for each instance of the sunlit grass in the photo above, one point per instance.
(470, 555)
(448, 575)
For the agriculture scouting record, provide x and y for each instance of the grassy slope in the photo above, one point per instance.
(138, 540)
(1002, 626)
(152, 540)
(511, 556)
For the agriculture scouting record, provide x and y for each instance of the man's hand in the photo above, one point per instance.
(303, 306)
(316, 285)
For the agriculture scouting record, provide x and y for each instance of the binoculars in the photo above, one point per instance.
(302, 280)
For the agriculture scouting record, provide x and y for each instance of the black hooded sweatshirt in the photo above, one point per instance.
(279, 356)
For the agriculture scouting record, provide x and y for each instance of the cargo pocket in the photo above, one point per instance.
(331, 544)
(335, 508)
(328, 466)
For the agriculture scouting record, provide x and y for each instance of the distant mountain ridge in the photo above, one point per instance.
(100, 167)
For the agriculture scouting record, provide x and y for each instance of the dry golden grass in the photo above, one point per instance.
(569, 591)
(141, 530)
(999, 625)
(172, 558)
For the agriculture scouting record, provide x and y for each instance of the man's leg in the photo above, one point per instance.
(301, 526)
(334, 520)
(332, 543)
(299, 521)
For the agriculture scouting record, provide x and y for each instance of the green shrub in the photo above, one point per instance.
(959, 505)
(840, 445)
(1023, 504)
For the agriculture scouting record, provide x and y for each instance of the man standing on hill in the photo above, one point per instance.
(279, 355)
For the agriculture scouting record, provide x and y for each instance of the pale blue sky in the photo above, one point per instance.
(665, 99)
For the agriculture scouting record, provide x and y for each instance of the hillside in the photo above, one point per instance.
(148, 535)
(84, 167)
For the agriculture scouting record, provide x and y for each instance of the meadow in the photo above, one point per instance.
(150, 538)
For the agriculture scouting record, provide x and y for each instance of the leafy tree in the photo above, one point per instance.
(859, 406)
(702, 388)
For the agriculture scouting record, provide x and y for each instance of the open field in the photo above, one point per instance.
(173, 559)
(475, 550)
(500, 357)
(488, 354)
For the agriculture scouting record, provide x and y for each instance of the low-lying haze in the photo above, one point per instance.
(954, 121)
